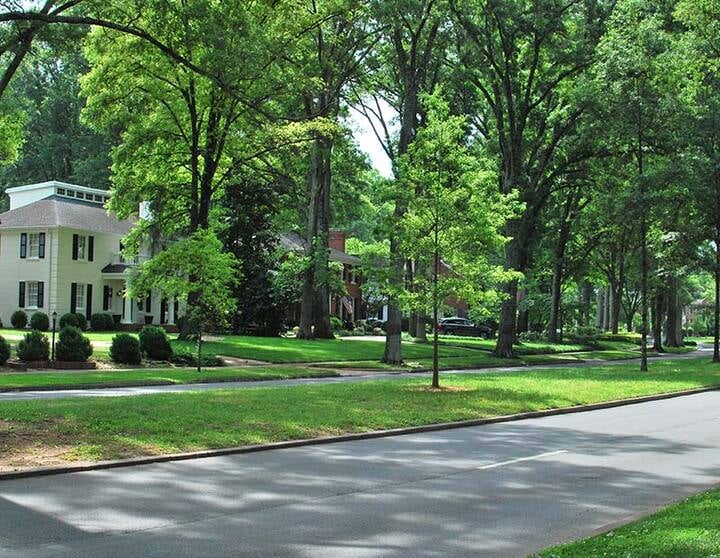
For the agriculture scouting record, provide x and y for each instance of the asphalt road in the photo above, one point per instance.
(503, 490)
(147, 390)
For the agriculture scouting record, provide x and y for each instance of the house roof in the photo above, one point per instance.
(294, 243)
(57, 211)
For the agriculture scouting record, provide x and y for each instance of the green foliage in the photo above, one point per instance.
(336, 323)
(69, 319)
(33, 347)
(40, 321)
(102, 322)
(455, 215)
(154, 343)
(19, 319)
(125, 349)
(197, 267)
(81, 320)
(72, 345)
(4, 350)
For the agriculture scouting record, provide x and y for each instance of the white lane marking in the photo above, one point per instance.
(538, 456)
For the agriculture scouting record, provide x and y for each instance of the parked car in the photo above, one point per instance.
(463, 326)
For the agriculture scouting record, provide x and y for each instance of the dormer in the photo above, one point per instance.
(24, 195)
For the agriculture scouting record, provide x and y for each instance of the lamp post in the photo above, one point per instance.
(54, 321)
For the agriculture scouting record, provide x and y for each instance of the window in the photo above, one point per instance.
(70, 193)
(32, 294)
(80, 196)
(61, 191)
(34, 245)
(98, 198)
(82, 241)
(80, 297)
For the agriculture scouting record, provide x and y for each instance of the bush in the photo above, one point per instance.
(33, 347)
(190, 359)
(4, 350)
(40, 321)
(72, 345)
(125, 349)
(154, 343)
(336, 323)
(68, 320)
(81, 321)
(19, 319)
(531, 336)
(102, 322)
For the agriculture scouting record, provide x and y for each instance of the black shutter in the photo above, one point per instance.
(75, 247)
(88, 301)
(41, 294)
(41, 246)
(73, 297)
(148, 303)
(21, 296)
(23, 245)
(91, 248)
(106, 306)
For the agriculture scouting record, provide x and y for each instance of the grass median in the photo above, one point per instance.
(688, 529)
(110, 378)
(46, 432)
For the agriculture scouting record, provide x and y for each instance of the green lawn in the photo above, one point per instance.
(690, 529)
(281, 349)
(103, 428)
(524, 348)
(30, 380)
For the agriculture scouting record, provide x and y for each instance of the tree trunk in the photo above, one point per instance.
(716, 327)
(436, 304)
(599, 312)
(553, 326)
(606, 309)
(672, 335)
(585, 300)
(508, 315)
(658, 311)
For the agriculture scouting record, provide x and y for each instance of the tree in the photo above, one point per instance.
(406, 64)
(178, 269)
(637, 89)
(453, 215)
(523, 58)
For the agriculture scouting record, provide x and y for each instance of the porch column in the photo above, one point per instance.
(127, 314)
(171, 311)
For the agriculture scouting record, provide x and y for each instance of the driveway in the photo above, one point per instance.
(503, 490)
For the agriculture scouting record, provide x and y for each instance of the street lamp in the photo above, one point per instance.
(54, 321)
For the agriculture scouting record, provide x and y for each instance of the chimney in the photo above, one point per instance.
(337, 240)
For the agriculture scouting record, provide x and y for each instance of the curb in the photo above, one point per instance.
(102, 465)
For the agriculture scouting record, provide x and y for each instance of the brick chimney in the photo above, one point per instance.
(337, 240)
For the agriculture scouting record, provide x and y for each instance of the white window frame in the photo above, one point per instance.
(31, 295)
(33, 246)
(80, 291)
(82, 248)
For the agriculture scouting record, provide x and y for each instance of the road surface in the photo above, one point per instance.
(503, 490)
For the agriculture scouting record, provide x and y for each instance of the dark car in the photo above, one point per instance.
(463, 326)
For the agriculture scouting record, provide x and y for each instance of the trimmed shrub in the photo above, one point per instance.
(102, 322)
(33, 347)
(40, 321)
(4, 350)
(72, 345)
(190, 359)
(19, 319)
(336, 323)
(82, 322)
(154, 343)
(125, 349)
(68, 319)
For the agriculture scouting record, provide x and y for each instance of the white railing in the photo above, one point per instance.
(118, 258)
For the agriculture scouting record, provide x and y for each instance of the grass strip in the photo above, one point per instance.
(690, 529)
(109, 428)
(30, 380)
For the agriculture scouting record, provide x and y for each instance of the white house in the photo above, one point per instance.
(60, 252)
